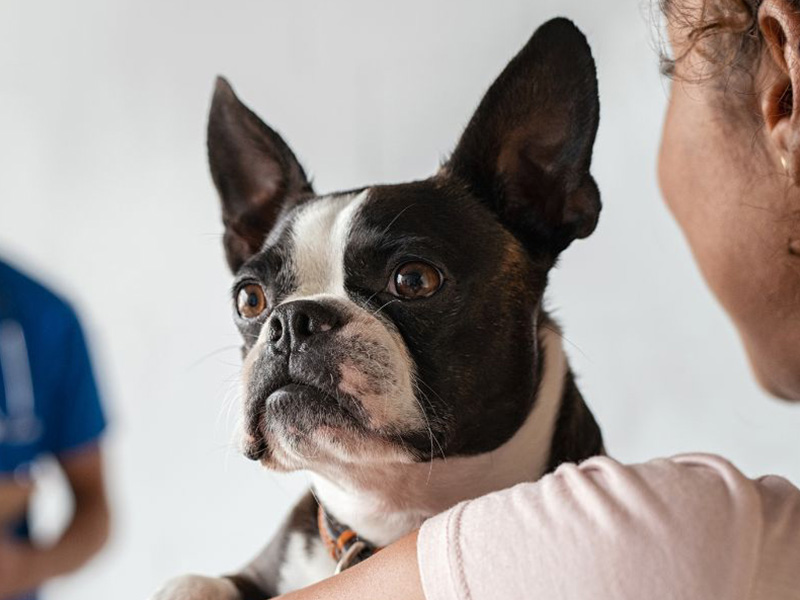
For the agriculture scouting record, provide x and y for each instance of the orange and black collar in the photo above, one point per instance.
(343, 544)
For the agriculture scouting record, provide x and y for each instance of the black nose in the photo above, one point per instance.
(293, 323)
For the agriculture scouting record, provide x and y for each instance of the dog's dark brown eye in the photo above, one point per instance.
(414, 280)
(250, 301)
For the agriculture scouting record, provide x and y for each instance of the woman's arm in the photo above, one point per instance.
(391, 574)
(692, 526)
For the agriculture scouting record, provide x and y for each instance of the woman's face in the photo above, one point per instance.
(722, 175)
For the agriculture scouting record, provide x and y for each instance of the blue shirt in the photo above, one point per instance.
(49, 403)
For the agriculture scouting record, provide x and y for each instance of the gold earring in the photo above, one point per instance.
(785, 166)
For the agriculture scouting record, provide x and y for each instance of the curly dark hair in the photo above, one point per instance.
(725, 33)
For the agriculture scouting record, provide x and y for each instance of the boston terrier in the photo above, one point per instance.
(395, 343)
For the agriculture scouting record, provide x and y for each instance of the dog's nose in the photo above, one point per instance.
(293, 323)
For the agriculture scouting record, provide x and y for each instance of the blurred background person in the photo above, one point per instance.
(49, 405)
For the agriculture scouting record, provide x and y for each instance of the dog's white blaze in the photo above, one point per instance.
(302, 567)
(386, 502)
(319, 236)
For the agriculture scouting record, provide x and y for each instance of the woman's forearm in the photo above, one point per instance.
(391, 574)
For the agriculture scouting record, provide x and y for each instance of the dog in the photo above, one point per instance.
(395, 341)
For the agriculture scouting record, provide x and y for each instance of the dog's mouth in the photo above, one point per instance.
(294, 416)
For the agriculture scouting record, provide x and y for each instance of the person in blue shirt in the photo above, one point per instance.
(49, 405)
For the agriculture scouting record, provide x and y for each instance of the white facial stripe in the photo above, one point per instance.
(319, 235)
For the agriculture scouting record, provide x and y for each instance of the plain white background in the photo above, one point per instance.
(104, 193)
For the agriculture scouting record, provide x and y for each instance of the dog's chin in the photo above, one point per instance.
(304, 427)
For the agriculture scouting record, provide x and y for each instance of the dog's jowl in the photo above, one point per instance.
(394, 340)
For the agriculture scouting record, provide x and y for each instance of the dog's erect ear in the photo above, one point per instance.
(528, 148)
(254, 170)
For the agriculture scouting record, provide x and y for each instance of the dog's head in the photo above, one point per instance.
(398, 322)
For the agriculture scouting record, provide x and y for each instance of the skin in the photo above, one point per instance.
(721, 170)
(14, 496)
(729, 170)
(23, 566)
(391, 574)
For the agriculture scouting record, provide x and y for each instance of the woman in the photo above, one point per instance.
(693, 526)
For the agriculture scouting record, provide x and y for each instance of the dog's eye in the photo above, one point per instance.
(250, 301)
(414, 280)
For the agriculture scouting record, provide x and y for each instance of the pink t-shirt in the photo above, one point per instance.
(691, 527)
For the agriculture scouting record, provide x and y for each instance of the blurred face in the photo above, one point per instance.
(722, 175)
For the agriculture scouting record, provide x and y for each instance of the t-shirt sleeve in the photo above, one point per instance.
(79, 418)
(688, 527)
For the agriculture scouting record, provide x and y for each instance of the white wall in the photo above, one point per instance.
(105, 192)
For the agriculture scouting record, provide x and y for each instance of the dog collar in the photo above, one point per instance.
(342, 543)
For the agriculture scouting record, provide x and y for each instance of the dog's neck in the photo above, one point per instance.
(385, 502)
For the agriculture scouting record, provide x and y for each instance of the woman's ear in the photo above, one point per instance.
(779, 23)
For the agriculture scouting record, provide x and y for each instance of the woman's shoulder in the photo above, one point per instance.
(691, 482)
(689, 522)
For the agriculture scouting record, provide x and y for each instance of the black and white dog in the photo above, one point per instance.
(395, 343)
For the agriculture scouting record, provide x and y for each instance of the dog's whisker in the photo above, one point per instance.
(366, 303)
(211, 354)
(393, 221)
(385, 305)
(566, 339)
(430, 431)
(432, 408)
